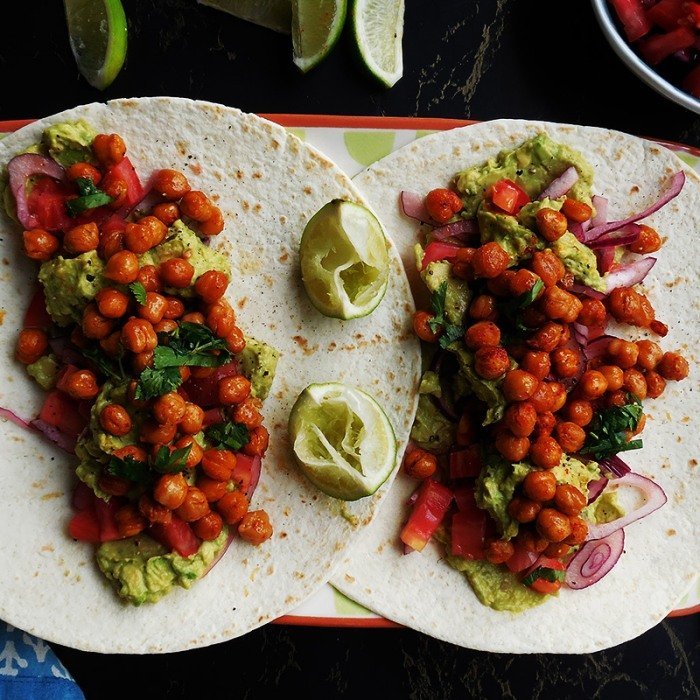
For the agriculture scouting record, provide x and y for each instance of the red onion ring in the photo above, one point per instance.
(578, 231)
(622, 236)
(459, 229)
(630, 274)
(601, 210)
(655, 498)
(673, 190)
(587, 291)
(597, 347)
(615, 466)
(595, 488)
(413, 206)
(606, 259)
(13, 418)
(55, 435)
(580, 333)
(561, 185)
(221, 553)
(594, 560)
(20, 169)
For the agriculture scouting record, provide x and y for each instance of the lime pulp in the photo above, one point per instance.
(316, 28)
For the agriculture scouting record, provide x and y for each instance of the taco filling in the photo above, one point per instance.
(149, 380)
(527, 401)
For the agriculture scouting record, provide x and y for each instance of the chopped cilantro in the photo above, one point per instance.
(544, 573)
(139, 292)
(232, 436)
(451, 332)
(167, 462)
(129, 468)
(154, 382)
(608, 431)
(91, 197)
(106, 365)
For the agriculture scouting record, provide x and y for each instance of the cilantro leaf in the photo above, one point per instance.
(608, 431)
(129, 468)
(450, 331)
(154, 382)
(90, 197)
(451, 334)
(544, 573)
(232, 436)
(167, 462)
(139, 292)
(106, 365)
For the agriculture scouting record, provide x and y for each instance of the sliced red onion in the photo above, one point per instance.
(655, 498)
(595, 488)
(606, 259)
(601, 210)
(580, 333)
(13, 418)
(615, 466)
(594, 560)
(630, 274)
(255, 471)
(142, 208)
(587, 291)
(578, 231)
(674, 189)
(407, 549)
(220, 553)
(598, 347)
(460, 230)
(20, 169)
(65, 442)
(561, 185)
(629, 233)
(413, 205)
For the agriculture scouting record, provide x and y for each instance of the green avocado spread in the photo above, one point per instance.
(70, 142)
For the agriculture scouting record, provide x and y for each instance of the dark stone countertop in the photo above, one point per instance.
(481, 60)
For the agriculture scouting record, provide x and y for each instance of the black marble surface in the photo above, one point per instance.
(494, 58)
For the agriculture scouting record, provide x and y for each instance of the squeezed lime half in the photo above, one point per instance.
(316, 28)
(342, 440)
(98, 38)
(344, 260)
(378, 29)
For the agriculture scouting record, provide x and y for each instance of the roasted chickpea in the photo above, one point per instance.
(569, 500)
(171, 184)
(580, 412)
(194, 507)
(545, 452)
(673, 366)
(208, 527)
(196, 205)
(519, 385)
(194, 457)
(558, 304)
(615, 398)
(176, 272)
(95, 325)
(499, 551)
(614, 376)
(523, 281)
(576, 211)
(122, 267)
(500, 285)
(635, 383)
(169, 408)
(593, 313)
(82, 385)
(649, 241)
(218, 464)
(422, 327)
(232, 390)
(83, 171)
(520, 418)
(248, 414)
(483, 307)
(113, 485)
(154, 308)
(32, 343)
(232, 506)
(490, 260)
(258, 443)
(117, 189)
(551, 224)
(567, 362)
(491, 362)
(133, 452)
(523, 510)
(462, 264)
(212, 488)
(174, 309)
(546, 338)
(235, 341)
(557, 550)
(629, 306)
(221, 318)
(255, 527)
(655, 384)
(214, 225)
(149, 232)
(540, 486)
(39, 244)
(543, 397)
(548, 267)
(419, 463)
(138, 335)
(570, 436)
(141, 360)
(167, 212)
(553, 525)
(623, 353)
(513, 448)
(649, 355)
(442, 204)
(482, 334)
(109, 149)
(531, 541)
(211, 285)
(545, 423)
(536, 363)
(115, 420)
(592, 384)
(559, 396)
(157, 433)
(111, 303)
(170, 490)
(111, 242)
(153, 511)
(192, 419)
(129, 521)
(579, 531)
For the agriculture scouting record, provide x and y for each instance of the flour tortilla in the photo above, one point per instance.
(268, 184)
(661, 552)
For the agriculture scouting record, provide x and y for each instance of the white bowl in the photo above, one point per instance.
(636, 64)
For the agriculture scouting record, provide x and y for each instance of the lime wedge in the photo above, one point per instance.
(97, 30)
(378, 27)
(273, 14)
(342, 440)
(344, 260)
(316, 28)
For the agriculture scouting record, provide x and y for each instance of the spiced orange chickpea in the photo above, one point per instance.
(537, 363)
(111, 242)
(115, 420)
(656, 384)
(558, 304)
(138, 335)
(213, 489)
(129, 521)
(553, 525)
(490, 260)
(523, 509)
(84, 171)
(211, 286)
(499, 551)
(519, 385)
(649, 354)
(194, 456)
(235, 340)
(258, 443)
(592, 313)
(545, 452)
(546, 423)
(520, 418)
(623, 353)
(39, 244)
(422, 327)
(196, 205)
(673, 366)
(482, 334)
(171, 184)
(579, 531)
(580, 411)
(232, 506)
(194, 507)
(614, 376)
(483, 307)
(176, 272)
(247, 414)
(649, 241)
(167, 212)
(154, 307)
(82, 385)
(635, 383)
(577, 211)
(513, 448)
(111, 302)
(551, 224)
(592, 384)
(32, 343)
(540, 486)
(442, 204)
(174, 309)
(218, 464)
(149, 278)
(109, 148)
(153, 511)
(491, 362)
(169, 408)
(255, 527)
(82, 239)
(221, 318)
(233, 390)
(567, 362)
(94, 325)
(192, 419)
(419, 463)
(157, 434)
(170, 490)
(122, 267)
(546, 338)
(548, 267)
(214, 225)
(570, 436)
(208, 527)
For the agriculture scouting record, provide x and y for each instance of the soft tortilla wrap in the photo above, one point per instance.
(661, 552)
(269, 184)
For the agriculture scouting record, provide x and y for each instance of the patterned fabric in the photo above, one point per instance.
(29, 670)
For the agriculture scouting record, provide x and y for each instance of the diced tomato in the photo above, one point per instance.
(508, 196)
(439, 251)
(655, 49)
(84, 526)
(47, 201)
(105, 511)
(428, 512)
(522, 559)
(667, 14)
(83, 497)
(692, 82)
(633, 17)
(542, 585)
(37, 316)
(113, 223)
(213, 415)
(246, 473)
(62, 412)
(692, 10)
(177, 535)
(203, 391)
(466, 463)
(125, 171)
(469, 526)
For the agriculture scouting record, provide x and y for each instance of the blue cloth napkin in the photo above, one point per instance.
(29, 670)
